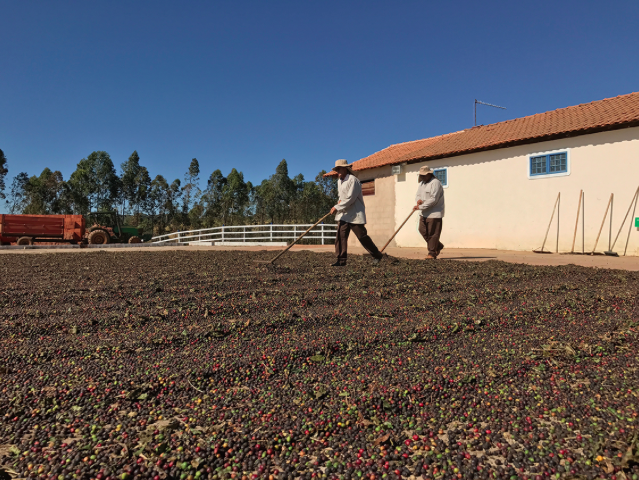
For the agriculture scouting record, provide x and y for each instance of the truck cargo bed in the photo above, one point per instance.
(68, 228)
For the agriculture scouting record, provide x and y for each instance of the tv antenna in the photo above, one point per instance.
(484, 103)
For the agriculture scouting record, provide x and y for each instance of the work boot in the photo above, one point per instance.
(337, 264)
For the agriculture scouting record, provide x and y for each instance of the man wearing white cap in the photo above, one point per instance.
(430, 202)
(351, 214)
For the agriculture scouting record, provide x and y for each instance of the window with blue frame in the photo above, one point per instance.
(549, 164)
(442, 175)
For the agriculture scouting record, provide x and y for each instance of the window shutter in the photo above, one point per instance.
(368, 187)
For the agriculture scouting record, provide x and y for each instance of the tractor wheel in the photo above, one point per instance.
(98, 237)
(135, 240)
(25, 241)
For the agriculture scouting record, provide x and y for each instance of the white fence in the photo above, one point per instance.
(252, 234)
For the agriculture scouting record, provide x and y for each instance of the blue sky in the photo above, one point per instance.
(246, 83)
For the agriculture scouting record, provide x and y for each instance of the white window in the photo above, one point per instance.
(549, 164)
(442, 175)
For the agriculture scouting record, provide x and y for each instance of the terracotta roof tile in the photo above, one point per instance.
(607, 114)
(390, 154)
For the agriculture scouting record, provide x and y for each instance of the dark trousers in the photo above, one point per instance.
(431, 230)
(341, 240)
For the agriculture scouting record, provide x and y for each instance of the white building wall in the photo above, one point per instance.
(380, 208)
(492, 203)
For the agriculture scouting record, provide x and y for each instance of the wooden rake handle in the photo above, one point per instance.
(397, 231)
(624, 218)
(550, 223)
(602, 223)
(299, 238)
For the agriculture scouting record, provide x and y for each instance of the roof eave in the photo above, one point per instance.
(525, 141)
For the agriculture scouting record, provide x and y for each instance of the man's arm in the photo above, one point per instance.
(418, 201)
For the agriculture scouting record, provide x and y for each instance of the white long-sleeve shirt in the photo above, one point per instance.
(432, 196)
(350, 208)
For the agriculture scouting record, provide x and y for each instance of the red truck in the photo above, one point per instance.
(27, 229)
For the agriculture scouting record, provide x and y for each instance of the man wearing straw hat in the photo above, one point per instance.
(351, 214)
(430, 202)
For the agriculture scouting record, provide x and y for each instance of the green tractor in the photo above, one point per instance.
(106, 227)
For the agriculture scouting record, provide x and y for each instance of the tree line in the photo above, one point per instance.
(160, 206)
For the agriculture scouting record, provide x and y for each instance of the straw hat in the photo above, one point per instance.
(425, 170)
(343, 164)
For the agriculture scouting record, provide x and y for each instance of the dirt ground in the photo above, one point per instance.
(469, 254)
(198, 363)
